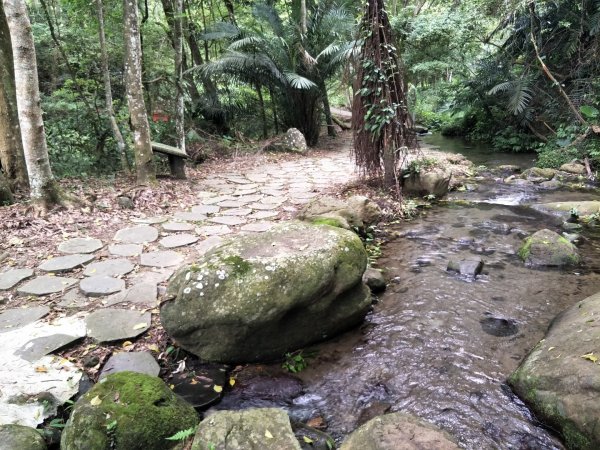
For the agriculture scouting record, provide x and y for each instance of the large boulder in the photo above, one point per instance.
(547, 248)
(560, 378)
(354, 212)
(257, 297)
(538, 174)
(574, 167)
(19, 437)
(433, 181)
(261, 428)
(127, 411)
(398, 431)
(292, 141)
(564, 209)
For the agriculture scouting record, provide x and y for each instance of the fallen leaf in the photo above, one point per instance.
(95, 401)
(127, 343)
(154, 348)
(590, 356)
(194, 381)
(218, 388)
(307, 439)
(231, 382)
(41, 369)
(140, 325)
(551, 348)
(268, 434)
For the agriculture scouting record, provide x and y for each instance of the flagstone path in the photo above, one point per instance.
(115, 295)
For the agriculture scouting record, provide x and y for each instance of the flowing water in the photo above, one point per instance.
(441, 346)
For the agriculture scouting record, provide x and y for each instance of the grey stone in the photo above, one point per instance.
(109, 268)
(232, 203)
(228, 220)
(263, 206)
(236, 212)
(38, 347)
(143, 293)
(45, 285)
(250, 198)
(258, 227)
(140, 362)
(177, 226)
(18, 317)
(19, 437)
(467, 267)
(213, 230)
(547, 248)
(550, 185)
(374, 279)
(219, 199)
(13, 277)
(137, 235)
(125, 202)
(292, 141)
(208, 244)
(65, 263)
(260, 215)
(574, 168)
(178, 240)
(154, 276)
(80, 245)
(357, 211)
(98, 286)
(164, 258)
(570, 226)
(564, 209)
(150, 220)
(110, 324)
(206, 209)
(189, 216)
(434, 181)
(125, 249)
(74, 299)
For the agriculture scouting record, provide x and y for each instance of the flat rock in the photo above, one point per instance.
(213, 230)
(41, 346)
(249, 198)
(189, 216)
(177, 226)
(13, 277)
(236, 212)
(144, 293)
(258, 227)
(260, 215)
(228, 220)
(141, 362)
(137, 235)
(46, 284)
(150, 220)
(109, 268)
(206, 209)
(110, 324)
(74, 299)
(219, 199)
(208, 244)
(178, 240)
(100, 285)
(18, 317)
(152, 276)
(80, 245)
(163, 258)
(232, 203)
(263, 206)
(125, 249)
(65, 263)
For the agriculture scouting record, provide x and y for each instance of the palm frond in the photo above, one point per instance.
(519, 94)
(298, 81)
(220, 30)
(250, 41)
(268, 13)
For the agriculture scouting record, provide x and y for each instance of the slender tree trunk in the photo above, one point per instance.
(178, 45)
(44, 189)
(303, 18)
(327, 109)
(12, 158)
(108, 90)
(263, 113)
(6, 197)
(135, 95)
(274, 108)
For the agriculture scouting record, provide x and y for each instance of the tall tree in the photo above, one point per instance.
(12, 159)
(179, 99)
(44, 189)
(135, 95)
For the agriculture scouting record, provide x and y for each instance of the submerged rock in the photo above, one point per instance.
(435, 181)
(547, 248)
(19, 437)
(564, 209)
(559, 378)
(257, 297)
(539, 173)
(375, 280)
(468, 267)
(127, 411)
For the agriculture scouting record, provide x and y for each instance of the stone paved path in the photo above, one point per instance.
(114, 297)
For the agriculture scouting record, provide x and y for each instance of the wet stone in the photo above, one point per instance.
(141, 362)
(110, 324)
(144, 293)
(38, 347)
(178, 240)
(498, 326)
(206, 209)
(164, 258)
(189, 216)
(13, 277)
(177, 226)
(98, 286)
(80, 245)
(258, 227)
(45, 285)
(65, 263)
(137, 235)
(213, 230)
(18, 317)
(125, 249)
(109, 268)
(228, 220)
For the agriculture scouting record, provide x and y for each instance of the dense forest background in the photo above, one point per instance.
(518, 75)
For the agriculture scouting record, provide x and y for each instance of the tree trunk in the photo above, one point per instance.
(108, 90)
(178, 46)
(135, 95)
(44, 189)
(327, 109)
(12, 158)
(6, 197)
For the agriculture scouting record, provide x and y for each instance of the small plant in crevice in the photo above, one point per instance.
(182, 435)
(294, 362)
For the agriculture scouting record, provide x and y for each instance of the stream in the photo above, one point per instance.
(440, 346)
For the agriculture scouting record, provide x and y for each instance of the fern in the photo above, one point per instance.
(183, 434)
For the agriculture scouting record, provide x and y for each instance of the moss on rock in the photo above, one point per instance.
(547, 248)
(19, 437)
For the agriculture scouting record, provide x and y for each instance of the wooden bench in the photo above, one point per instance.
(176, 157)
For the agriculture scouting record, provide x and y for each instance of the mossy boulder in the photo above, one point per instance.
(564, 209)
(261, 428)
(539, 173)
(127, 411)
(574, 168)
(433, 181)
(550, 249)
(19, 437)
(355, 212)
(560, 378)
(257, 297)
(398, 431)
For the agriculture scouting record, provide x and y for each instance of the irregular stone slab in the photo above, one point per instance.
(208, 244)
(125, 249)
(178, 240)
(41, 346)
(13, 277)
(164, 258)
(144, 293)
(213, 230)
(74, 299)
(146, 413)
(19, 437)
(80, 245)
(559, 378)
(150, 220)
(249, 198)
(258, 227)
(274, 200)
(189, 216)
(251, 428)
(467, 267)
(219, 199)
(232, 203)
(259, 215)
(65, 263)
(109, 268)
(228, 220)
(398, 431)
(177, 226)
(98, 286)
(110, 324)
(205, 194)
(196, 383)
(547, 248)
(206, 209)
(45, 285)
(257, 177)
(139, 362)
(18, 317)
(263, 206)
(154, 276)
(236, 212)
(137, 235)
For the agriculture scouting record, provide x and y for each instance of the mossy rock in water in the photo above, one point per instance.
(539, 172)
(257, 297)
(545, 248)
(560, 378)
(19, 437)
(127, 411)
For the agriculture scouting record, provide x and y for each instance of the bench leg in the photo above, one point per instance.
(177, 166)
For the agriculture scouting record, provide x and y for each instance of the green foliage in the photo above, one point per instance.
(560, 150)
(183, 434)
(294, 362)
(419, 164)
